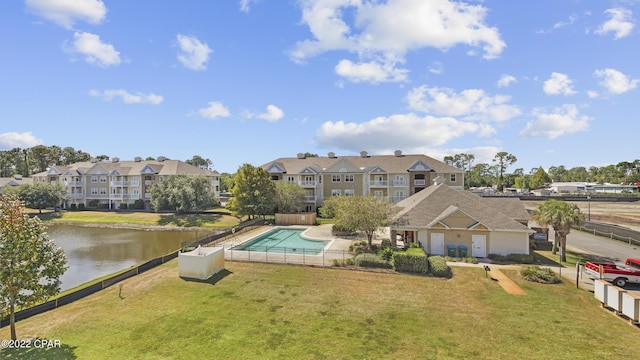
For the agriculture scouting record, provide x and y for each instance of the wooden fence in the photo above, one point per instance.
(296, 219)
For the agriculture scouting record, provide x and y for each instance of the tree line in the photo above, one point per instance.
(495, 173)
(39, 158)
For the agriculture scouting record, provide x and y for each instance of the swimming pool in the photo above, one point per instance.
(284, 241)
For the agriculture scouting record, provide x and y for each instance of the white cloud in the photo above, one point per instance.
(592, 94)
(385, 134)
(194, 54)
(66, 12)
(560, 24)
(563, 120)
(95, 51)
(245, 5)
(436, 68)
(620, 22)
(506, 80)
(273, 114)
(12, 140)
(615, 82)
(471, 104)
(372, 72)
(558, 84)
(215, 109)
(383, 32)
(127, 97)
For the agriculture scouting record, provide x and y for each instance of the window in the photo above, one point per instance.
(103, 191)
(103, 179)
(335, 192)
(452, 177)
(349, 192)
(274, 177)
(335, 178)
(135, 181)
(378, 193)
(94, 179)
(94, 191)
(291, 178)
(348, 178)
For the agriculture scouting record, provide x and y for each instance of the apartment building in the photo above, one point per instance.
(394, 177)
(107, 184)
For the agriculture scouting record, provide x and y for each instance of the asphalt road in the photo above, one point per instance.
(615, 250)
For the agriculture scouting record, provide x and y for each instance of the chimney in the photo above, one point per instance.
(137, 159)
(363, 154)
(398, 153)
(115, 159)
(331, 155)
(301, 156)
(161, 158)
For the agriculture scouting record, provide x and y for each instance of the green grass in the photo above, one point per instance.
(268, 311)
(547, 258)
(219, 219)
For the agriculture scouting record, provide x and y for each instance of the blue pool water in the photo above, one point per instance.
(284, 241)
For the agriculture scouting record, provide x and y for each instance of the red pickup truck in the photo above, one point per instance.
(618, 275)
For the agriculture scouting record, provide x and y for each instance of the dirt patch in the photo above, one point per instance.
(625, 214)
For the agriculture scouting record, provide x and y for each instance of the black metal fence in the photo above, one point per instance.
(86, 291)
(222, 235)
(287, 255)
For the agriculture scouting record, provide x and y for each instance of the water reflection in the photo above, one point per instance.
(95, 252)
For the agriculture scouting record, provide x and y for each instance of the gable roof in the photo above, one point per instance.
(389, 163)
(433, 204)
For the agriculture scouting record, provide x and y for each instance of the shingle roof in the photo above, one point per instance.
(166, 167)
(390, 163)
(436, 202)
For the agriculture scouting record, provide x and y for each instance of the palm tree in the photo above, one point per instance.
(561, 216)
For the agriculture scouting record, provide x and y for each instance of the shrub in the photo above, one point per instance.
(358, 247)
(386, 243)
(337, 229)
(411, 263)
(439, 266)
(138, 204)
(540, 275)
(337, 262)
(415, 251)
(414, 245)
(470, 260)
(123, 206)
(348, 262)
(73, 206)
(81, 206)
(372, 261)
(385, 253)
(92, 203)
(521, 258)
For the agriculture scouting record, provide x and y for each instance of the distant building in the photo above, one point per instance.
(570, 187)
(15, 180)
(108, 184)
(393, 177)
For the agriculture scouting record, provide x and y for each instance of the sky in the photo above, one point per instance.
(248, 81)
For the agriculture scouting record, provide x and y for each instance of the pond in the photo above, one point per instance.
(95, 252)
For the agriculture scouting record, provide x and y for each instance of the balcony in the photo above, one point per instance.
(74, 183)
(125, 196)
(378, 183)
(310, 198)
(421, 182)
(75, 196)
(396, 199)
(147, 195)
(399, 183)
(122, 183)
(148, 182)
(307, 183)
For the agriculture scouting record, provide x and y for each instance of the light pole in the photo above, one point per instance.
(588, 200)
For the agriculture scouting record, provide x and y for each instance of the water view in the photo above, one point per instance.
(95, 252)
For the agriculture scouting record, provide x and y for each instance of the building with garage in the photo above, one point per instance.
(443, 219)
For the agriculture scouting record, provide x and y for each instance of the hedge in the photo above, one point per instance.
(371, 261)
(411, 263)
(516, 258)
(439, 266)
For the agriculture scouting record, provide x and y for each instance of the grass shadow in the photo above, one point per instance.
(62, 352)
(544, 257)
(49, 215)
(213, 279)
(189, 220)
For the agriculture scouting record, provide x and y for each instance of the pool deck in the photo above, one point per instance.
(338, 248)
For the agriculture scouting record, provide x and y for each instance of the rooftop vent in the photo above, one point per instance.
(301, 156)
(398, 153)
(115, 159)
(137, 159)
(161, 158)
(364, 154)
(331, 155)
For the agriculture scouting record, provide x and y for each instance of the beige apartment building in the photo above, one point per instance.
(394, 177)
(107, 184)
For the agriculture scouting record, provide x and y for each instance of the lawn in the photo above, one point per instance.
(220, 219)
(270, 311)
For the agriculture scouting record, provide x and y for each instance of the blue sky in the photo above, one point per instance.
(248, 81)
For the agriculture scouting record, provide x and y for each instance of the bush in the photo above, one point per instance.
(411, 263)
(514, 258)
(540, 275)
(385, 253)
(470, 260)
(439, 266)
(123, 206)
(358, 247)
(415, 251)
(138, 204)
(337, 262)
(371, 261)
(348, 262)
(386, 243)
(92, 203)
(340, 230)
(81, 206)
(415, 245)
(73, 206)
